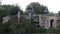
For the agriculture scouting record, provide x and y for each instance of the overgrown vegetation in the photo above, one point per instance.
(24, 26)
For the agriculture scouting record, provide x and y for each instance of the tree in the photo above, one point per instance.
(7, 10)
(21, 12)
(58, 12)
(2, 13)
(37, 8)
(12, 9)
(44, 10)
(51, 14)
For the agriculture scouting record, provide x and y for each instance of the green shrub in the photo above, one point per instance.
(40, 30)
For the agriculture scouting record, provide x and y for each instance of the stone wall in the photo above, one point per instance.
(5, 19)
(44, 20)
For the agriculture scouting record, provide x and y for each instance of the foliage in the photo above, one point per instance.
(8, 10)
(4, 27)
(24, 25)
(3, 13)
(12, 9)
(51, 14)
(39, 29)
(58, 12)
(37, 8)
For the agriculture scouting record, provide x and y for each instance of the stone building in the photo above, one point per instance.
(42, 20)
(45, 21)
(48, 21)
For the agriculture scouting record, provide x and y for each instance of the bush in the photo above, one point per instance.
(4, 27)
(39, 30)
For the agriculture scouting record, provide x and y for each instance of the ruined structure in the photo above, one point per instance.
(43, 20)
(48, 21)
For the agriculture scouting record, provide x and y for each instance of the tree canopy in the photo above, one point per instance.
(7, 10)
(58, 12)
(37, 8)
(12, 9)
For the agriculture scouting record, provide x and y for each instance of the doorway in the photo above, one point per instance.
(51, 23)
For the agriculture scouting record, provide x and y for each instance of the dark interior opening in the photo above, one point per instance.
(51, 23)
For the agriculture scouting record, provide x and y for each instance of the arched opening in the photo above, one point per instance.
(51, 23)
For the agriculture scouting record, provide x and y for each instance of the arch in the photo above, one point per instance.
(51, 23)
